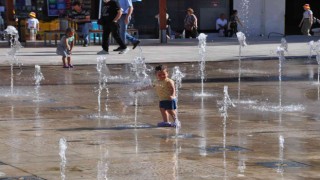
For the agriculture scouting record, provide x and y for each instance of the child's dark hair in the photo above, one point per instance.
(160, 68)
(69, 30)
(234, 12)
(76, 3)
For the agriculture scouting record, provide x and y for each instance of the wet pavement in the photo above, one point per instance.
(272, 133)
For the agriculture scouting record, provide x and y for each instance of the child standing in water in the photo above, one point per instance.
(65, 47)
(165, 89)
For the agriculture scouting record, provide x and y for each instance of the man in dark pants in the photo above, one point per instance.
(110, 14)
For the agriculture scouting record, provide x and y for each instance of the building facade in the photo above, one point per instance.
(260, 17)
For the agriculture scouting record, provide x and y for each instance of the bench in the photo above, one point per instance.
(56, 35)
(97, 34)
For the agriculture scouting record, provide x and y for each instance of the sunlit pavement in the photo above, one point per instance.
(271, 133)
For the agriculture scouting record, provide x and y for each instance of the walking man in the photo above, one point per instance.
(110, 15)
(127, 9)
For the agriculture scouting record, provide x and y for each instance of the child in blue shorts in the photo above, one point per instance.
(65, 47)
(165, 89)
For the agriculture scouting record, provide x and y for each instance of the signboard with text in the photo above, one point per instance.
(56, 7)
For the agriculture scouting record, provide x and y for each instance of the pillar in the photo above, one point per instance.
(163, 21)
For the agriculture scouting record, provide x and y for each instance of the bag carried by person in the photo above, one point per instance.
(194, 31)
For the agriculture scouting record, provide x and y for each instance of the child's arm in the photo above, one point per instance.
(172, 90)
(67, 44)
(71, 45)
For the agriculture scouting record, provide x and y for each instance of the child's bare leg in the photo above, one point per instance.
(64, 61)
(173, 113)
(164, 114)
(69, 59)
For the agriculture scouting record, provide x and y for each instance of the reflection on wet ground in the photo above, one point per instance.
(125, 149)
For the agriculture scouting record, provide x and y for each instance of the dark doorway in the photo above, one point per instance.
(294, 13)
(231, 7)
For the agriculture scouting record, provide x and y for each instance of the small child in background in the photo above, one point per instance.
(33, 26)
(165, 89)
(65, 47)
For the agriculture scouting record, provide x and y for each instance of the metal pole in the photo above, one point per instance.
(100, 6)
(163, 20)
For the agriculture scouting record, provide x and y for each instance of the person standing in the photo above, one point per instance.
(82, 18)
(33, 26)
(165, 88)
(190, 24)
(110, 15)
(307, 20)
(127, 10)
(233, 23)
(168, 26)
(65, 48)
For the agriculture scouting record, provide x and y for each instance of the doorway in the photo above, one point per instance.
(294, 13)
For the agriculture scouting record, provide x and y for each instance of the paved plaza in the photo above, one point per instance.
(267, 129)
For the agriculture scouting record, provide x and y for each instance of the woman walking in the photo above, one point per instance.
(307, 20)
(190, 24)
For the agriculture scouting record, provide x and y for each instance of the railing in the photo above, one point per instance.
(283, 35)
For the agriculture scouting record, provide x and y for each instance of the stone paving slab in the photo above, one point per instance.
(30, 130)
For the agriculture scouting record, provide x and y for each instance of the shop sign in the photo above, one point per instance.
(56, 7)
(215, 3)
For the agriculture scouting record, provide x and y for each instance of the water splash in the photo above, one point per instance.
(15, 46)
(242, 43)
(244, 14)
(280, 168)
(103, 79)
(62, 153)
(177, 76)
(103, 167)
(318, 61)
(225, 104)
(139, 67)
(242, 40)
(202, 52)
(284, 44)
(277, 108)
(280, 53)
(315, 47)
(38, 77)
(135, 110)
(312, 48)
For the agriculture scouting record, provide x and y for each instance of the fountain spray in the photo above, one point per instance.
(62, 153)
(103, 78)
(177, 76)
(38, 77)
(242, 43)
(15, 46)
(224, 112)
(139, 67)
(202, 51)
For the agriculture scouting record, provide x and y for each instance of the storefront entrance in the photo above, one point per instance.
(294, 13)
